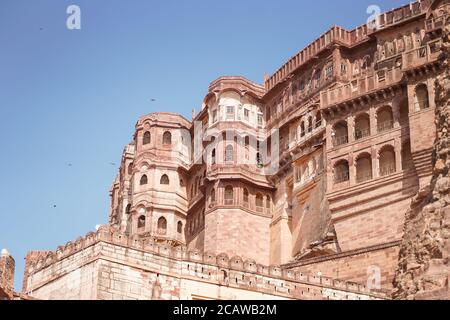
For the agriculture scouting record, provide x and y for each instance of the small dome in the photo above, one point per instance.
(5, 253)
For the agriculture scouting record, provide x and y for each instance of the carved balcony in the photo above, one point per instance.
(364, 85)
(435, 24)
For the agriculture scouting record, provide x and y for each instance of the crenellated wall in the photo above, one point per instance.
(110, 265)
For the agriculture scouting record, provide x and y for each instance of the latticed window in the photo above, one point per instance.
(385, 119)
(229, 153)
(147, 138)
(162, 226)
(268, 202)
(341, 172)
(164, 180)
(246, 114)
(329, 70)
(213, 156)
(260, 120)
(230, 113)
(141, 222)
(387, 161)
(144, 180)
(229, 195)
(245, 197)
(259, 202)
(167, 138)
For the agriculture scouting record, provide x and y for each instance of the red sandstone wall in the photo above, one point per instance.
(310, 225)
(237, 232)
(355, 267)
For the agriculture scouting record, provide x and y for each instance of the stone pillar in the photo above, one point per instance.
(374, 157)
(351, 129)
(398, 154)
(373, 121)
(7, 267)
(352, 169)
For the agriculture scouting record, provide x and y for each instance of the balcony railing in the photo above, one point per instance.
(363, 176)
(360, 86)
(341, 177)
(385, 126)
(422, 55)
(435, 23)
(340, 140)
(362, 133)
(387, 170)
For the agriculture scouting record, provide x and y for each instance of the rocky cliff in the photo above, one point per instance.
(423, 269)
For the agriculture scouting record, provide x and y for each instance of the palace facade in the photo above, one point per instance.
(295, 189)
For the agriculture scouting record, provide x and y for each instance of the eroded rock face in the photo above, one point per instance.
(423, 269)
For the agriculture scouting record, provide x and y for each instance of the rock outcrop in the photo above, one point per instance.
(423, 269)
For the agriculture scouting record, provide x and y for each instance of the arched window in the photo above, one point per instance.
(387, 161)
(229, 195)
(164, 180)
(167, 138)
(385, 119)
(318, 120)
(259, 202)
(245, 198)
(144, 180)
(407, 160)
(310, 124)
(421, 98)
(147, 138)
(363, 168)
(340, 132)
(268, 201)
(302, 129)
(181, 183)
(130, 169)
(362, 126)
(162, 226)
(141, 222)
(213, 196)
(128, 209)
(341, 172)
(229, 153)
(247, 147)
(179, 227)
(213, 156)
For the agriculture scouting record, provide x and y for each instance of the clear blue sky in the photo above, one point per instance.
(74, 96)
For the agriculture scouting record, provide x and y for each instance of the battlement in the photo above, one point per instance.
(204, 267)
(347, 38)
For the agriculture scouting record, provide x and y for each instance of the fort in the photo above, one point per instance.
(300, 188)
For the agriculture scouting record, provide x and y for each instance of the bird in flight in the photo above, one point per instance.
(152, 100)
(112, 163)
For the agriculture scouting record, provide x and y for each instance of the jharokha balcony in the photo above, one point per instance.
(434, 24)
(378, 80)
